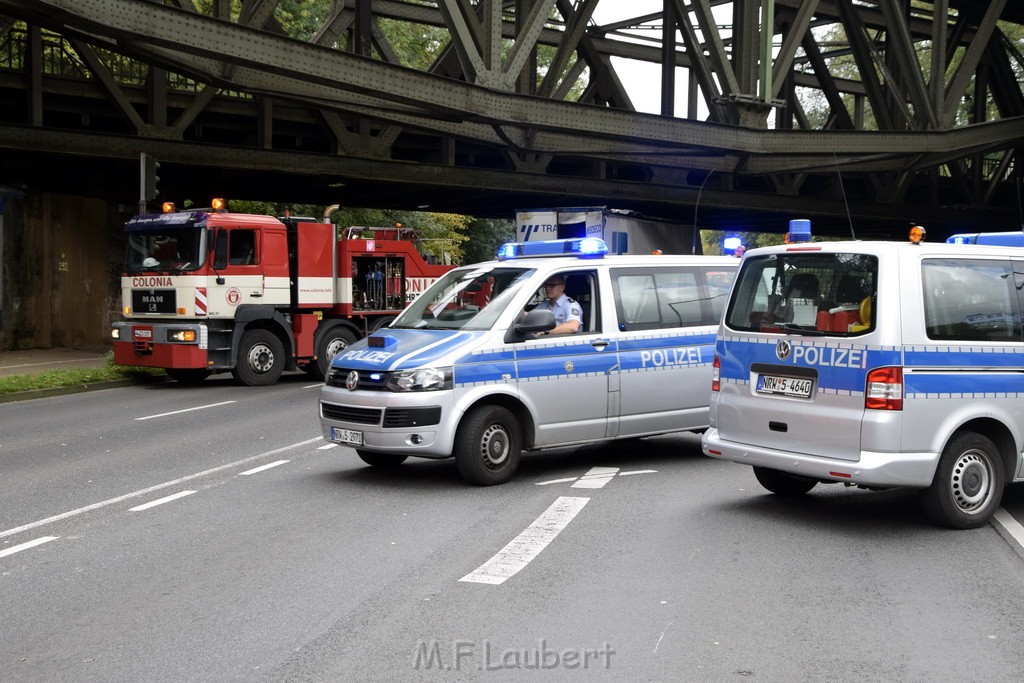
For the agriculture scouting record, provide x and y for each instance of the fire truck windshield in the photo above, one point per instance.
(166, 249)
(464, 299)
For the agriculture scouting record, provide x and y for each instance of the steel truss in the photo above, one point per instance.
(868, 112)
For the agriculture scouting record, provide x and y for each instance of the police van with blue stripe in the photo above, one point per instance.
(471, 370)
(878, 365)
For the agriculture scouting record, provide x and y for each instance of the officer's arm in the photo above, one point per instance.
(568, 327)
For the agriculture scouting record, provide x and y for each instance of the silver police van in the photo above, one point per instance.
(875, 364)
(473, 369)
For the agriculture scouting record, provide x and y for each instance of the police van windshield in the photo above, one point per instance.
(464, 299)
(800, 293)
(168, 249)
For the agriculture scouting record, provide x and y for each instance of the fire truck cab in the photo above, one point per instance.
(209, 291)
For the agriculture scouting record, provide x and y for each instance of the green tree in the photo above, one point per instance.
(486, 235)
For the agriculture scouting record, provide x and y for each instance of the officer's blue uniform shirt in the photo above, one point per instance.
(564, 309)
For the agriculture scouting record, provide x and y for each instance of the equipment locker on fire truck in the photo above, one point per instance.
(208, 291)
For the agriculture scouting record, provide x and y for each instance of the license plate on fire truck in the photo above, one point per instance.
(347, 436)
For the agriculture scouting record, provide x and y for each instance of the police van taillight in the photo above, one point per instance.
(716, 374)
(884, 390)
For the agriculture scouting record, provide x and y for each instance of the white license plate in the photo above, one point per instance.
(786, 386)
(347, 436)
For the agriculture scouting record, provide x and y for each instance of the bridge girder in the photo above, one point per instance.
(484, 130)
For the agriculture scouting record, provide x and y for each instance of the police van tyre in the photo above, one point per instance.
(332, 343)
(784, 483)
(381, 459)
(260, 359)
(190, 376)
(968, 484)
(488, 446)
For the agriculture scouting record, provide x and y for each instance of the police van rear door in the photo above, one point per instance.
(794, 351)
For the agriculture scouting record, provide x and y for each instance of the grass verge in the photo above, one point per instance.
(73, 377)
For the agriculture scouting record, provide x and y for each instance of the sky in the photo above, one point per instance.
(642, 80)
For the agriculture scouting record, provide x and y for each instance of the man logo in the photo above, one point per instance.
(352, 381)
(782, 350)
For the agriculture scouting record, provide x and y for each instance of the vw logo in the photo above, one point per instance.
(352, 381)
(783, 349)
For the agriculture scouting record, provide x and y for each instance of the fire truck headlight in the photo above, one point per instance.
(115, 333)
(182, 335)
(422, 379)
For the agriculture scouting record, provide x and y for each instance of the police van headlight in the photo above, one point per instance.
(422, 379)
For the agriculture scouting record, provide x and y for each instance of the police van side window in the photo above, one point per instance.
(970, 300)
(664, 297)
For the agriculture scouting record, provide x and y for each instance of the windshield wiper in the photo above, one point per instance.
(810, 331)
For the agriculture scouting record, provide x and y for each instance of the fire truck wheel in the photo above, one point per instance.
(331, 344)
(188, 375)
(260, 359)
(488, 445)
(381, 459)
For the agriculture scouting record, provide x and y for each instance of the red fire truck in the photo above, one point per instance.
(207, 291)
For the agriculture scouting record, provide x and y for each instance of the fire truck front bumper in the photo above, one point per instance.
(160, 345)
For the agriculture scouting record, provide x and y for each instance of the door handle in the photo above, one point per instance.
(599, 344)
(256, 295)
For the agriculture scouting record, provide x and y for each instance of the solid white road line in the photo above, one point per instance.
(511, 559)
(263, 467)
(186, 410)
(1012, 526)
(151, 489)
(596, 478)
(330, 445)
(161, 501)
(626, 474)
(29, 544)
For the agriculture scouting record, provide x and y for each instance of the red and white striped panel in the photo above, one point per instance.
(200, 300)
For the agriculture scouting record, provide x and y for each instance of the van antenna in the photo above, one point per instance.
(843, 189)
(696, 207)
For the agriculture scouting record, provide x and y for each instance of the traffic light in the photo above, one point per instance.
(150, 179)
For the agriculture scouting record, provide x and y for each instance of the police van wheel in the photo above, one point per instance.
(488, 446)
(381, 459)
(260, 359)
(968, 484)
(784, 483)
(331, 344)
(190, 376)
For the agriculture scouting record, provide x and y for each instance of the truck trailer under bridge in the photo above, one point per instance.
(867, 115)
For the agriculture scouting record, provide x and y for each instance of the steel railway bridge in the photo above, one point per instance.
(854, 113)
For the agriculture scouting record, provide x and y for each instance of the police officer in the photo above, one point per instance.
(568, 314)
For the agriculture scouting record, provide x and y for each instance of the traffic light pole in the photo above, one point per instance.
(148, 180)
(142, 183)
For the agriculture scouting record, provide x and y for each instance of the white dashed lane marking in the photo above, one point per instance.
(514, 557)
(161, 501)
(28, 544)
(596, 478)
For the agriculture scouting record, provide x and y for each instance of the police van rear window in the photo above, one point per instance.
(805, 293)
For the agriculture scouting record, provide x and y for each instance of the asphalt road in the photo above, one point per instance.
(170, 533)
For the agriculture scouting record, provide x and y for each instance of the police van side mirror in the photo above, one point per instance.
(537, 320)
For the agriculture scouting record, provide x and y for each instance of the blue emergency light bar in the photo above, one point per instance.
(583, 247)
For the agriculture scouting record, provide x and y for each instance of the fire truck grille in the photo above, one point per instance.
(366, 416)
